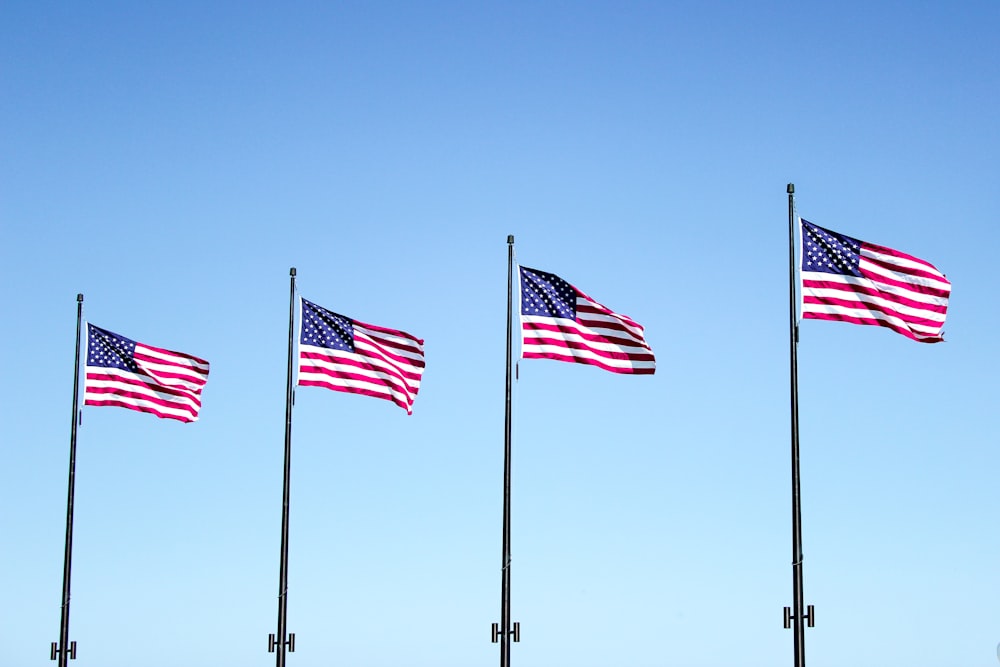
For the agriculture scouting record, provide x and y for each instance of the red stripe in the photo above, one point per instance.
(140, 380)
(359, 361)
(574, 345)
(629, 370)
(124, 391)
(138, 408)
(382, 345)
(908, 270)
(102, 396)
(596, 309)
(182, 379)
(174, 354)
(882, 323)
(913, 287)
(559, 328)
(389, 382)
(358, 390)
(192, 373)
(385, 330)
(871, 291)
(137, 380)
(856, 303)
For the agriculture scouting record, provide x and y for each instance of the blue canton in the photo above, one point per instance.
(109, 350)
(829, 252)
(324, 328)
(546, 295)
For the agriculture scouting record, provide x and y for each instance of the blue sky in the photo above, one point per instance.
(171, 161)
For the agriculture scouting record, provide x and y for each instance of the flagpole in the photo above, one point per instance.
(66, 650)
(795, 617)
(504, 631)
(281, 641)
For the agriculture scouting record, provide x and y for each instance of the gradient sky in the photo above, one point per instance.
(172, 161)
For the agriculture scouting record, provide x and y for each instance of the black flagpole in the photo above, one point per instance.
(66, 650)
(796, 614)
(505, 631)
(282, 641)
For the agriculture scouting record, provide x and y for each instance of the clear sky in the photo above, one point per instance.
(172, 161)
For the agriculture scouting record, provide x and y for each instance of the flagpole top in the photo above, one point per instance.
(79, 298)
(510, 239)
(790, 189)
(291, 271)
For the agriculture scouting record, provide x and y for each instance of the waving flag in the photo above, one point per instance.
(121, 372)
(342, 354)
(560, 322)
(848, 280)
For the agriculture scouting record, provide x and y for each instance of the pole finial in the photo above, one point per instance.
(790, 189)
(291, 271)
(79, 298)
(510, 239)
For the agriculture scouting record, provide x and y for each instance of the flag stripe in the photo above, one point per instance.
(339, 378)
(407, 356)
(897, 282)
(909, 268)
(132, 382)
(604, 344)
(860, 316)
(322, 360)
(819, 291)
(876, 288)
(558, 351)
(347, 385)
(116, 393)
(124, 401)
(862, 309)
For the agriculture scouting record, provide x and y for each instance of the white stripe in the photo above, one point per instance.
(186, 397)
(373, 358)
(877, 302)
(531, 347)
(612, 333)
(330, 358)
(609, 316)
(872, 315)
(868, 266)
(159, 374)
(577, 338)
(172, 358)
(390, 338)
(158, 407)
(177, 404)
(190, 380)
(313, 374)
(94, 384)
(876, 285)
(383, 373)
(908, 262)
(364, 343)
(376, 385)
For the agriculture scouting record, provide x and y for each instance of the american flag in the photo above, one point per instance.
(121, 372)
(848, 280)
(560, 322)
(342, 354)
